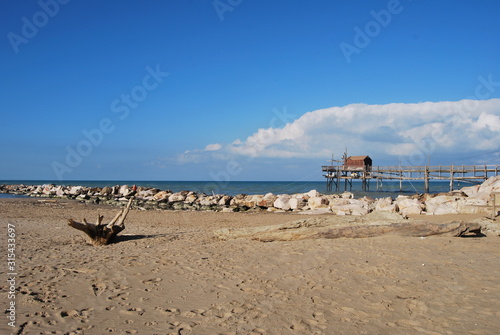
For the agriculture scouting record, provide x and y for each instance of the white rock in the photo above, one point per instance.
(313, 194)
(224, 200)
(124, 190)
(409, 206)
(282, 202)
(162, 195)
(442, 204)
(176, 197)
(190, 198)
(347, 195)
(75, 190)
(206, 201)
(268, 200)
(385, 205)
(318, 202)
(297, 203)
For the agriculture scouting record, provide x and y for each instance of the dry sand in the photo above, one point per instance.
(168, 274)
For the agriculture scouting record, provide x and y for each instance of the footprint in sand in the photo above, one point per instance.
(98, 288)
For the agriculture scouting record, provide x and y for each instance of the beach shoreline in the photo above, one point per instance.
(468, 200)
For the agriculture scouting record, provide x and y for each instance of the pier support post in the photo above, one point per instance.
(452, 174)
(400, 180)
(426, 179)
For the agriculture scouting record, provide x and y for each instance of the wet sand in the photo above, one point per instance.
(168, 274)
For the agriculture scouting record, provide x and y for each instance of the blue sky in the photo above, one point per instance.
(244, 90)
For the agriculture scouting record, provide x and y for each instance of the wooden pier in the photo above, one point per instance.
(334, 174)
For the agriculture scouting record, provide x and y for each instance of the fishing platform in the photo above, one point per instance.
(361, 168)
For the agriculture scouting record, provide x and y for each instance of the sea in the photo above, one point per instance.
(380, 190)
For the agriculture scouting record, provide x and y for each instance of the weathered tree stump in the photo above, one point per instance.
(100, 234)
(299, 231)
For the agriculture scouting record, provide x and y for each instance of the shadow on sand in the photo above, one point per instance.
(125, 238)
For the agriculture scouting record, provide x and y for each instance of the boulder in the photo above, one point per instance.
(253, 200)
(350, 207)
(385, 205)
(318, 202)
(282, 202)
(207, 200)
(297, 203)
(75, 190)
(190, 198)
(225, 200)
(313, 194)
(106, 190)
(238, 200)
(60, 191)
(162, 195)
(267, 201)
(470, 191)
(176, 197)
(408, 206)
(473, 206)
(347, 195)
(442, 204)
(124, 190)
(484, 191)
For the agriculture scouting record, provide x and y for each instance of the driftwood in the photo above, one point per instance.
(299, 231)
(99, 233)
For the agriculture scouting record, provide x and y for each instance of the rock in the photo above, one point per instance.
(408, 206)
(350, 207)
(282, 202)
(297, 203)
(445, 209)
(470, 191)
(238, 200)
(48, 189)
(75, 190)
(253, 200)
(484, 190)
(267, 201)
(106, 190)
(190, 198)
(492, 184)
(313, 194)
(176, 197)
(385, 205)
(225, 200)
(442, 204)
(347, 195)
(162, 195)
(473, 206)
(207, 201)
(124, 190)
(60, 191)
(318, 202)
(146, 193)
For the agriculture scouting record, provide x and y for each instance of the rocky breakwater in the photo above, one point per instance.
(468, 200)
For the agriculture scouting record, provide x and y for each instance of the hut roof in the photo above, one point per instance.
(358, 158)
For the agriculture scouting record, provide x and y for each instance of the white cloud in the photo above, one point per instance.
(213, 147)
(396, 129)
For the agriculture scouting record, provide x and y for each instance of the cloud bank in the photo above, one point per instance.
(394, 130)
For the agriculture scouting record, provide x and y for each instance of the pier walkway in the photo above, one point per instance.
(334, 174)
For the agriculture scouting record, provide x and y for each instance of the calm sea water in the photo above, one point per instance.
(387, 189)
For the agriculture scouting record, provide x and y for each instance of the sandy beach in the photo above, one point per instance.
(169, 274)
